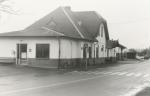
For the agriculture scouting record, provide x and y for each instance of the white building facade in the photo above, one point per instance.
(59, 45)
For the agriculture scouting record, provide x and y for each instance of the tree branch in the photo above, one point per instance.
(6, 8)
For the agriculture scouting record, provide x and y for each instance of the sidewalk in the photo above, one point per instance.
(7, 68)
(129, 61)
(126, 61)
(105, 65)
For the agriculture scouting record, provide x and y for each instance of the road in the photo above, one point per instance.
(119, 80)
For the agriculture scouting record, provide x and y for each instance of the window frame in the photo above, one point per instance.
(90, 52)
(102, 30)
(44, 57)
(97, 52)
(102, 48)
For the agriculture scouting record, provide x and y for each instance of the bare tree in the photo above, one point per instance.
(5, 7)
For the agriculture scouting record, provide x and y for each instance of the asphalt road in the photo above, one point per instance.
(120, 80)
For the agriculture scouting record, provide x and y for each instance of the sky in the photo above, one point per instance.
(128, 20)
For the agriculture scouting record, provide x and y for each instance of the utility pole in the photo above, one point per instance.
(86, 59)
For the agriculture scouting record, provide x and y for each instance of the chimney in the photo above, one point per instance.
(67, 7)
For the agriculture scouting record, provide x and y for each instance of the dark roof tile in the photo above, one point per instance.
(63, 22)
(36, 32)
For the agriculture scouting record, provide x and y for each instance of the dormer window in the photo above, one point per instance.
(51, 24)
(102, 30)
(80, 23)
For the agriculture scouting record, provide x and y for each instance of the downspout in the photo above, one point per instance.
(94, 54)
(86, 59)
(121, 54)
(71, 56)
(17, 54)
(59, 53)
(19, 61)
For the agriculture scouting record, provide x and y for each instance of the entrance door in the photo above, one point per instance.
(21, 53)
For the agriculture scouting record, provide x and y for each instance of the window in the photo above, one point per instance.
(90, 52)
(85, 48)
(80, 23)
(42, 50)
(51, 24)
(102, 49)
(102, 31)
(22, 51)
(23, 47)
(97, 52)
(84, 52)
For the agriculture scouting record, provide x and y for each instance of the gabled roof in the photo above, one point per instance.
(121, 46)
(63, 25)
(114, 43)
(91, 21)
(64, 22)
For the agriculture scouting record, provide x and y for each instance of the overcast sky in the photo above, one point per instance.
(128, 20)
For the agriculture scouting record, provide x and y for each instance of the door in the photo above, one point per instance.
(21, 53)
(84, 52)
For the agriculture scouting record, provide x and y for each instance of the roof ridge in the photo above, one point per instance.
(82, 11)
(72, 22)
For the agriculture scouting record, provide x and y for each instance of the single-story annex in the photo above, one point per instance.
(62, 38)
